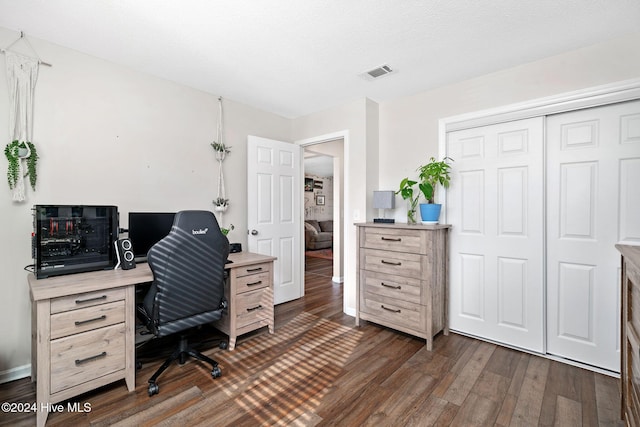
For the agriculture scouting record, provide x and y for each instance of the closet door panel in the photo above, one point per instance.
(495, 204)
(593, 194)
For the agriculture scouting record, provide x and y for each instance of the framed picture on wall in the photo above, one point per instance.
(308, 184)
(319, 200)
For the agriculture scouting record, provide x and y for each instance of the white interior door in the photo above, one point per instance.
(495, 204)
(273, 211)
(593, 198)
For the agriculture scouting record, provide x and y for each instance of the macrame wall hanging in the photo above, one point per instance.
(22, 74)
(221, 203)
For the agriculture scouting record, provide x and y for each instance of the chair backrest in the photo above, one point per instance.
(188, 274)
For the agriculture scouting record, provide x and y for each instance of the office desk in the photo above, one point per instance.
(249, 291)
(82, 333)
(83, 325)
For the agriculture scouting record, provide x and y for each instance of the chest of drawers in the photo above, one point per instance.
(249, 290)
(402, 277)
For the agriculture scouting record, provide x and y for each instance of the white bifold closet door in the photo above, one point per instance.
(495, 204)
(593, 202)
(536, 214)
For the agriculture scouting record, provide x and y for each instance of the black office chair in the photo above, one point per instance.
(188, 268)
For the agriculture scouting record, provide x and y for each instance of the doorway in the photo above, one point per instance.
(323, 172)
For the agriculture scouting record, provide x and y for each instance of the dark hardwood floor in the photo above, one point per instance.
(318, 369)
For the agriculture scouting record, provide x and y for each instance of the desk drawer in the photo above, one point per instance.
(253, 306)
(253, 282)
(394, 263)
(397, 240)
(79, 358)
(88, 299)
(253, 269)
(86, 319)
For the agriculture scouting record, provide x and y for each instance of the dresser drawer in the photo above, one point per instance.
(253, 282)
(392, 286)
(86, 319)
(253, 269)
(88, 299)
(79, 358)
(397, 240)
(253, 306)
(393, 312)
(394, 263)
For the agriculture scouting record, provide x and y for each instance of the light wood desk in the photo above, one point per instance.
(83, 325)
(249, 291)
(82, 333)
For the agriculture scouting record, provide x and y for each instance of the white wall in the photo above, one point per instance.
(108, 135)
(409, 125)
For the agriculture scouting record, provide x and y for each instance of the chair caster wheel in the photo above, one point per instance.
(223, 345)
(216, 372)
(153, 389)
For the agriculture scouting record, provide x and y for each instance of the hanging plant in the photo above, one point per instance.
(15, 152)
(221, 204)
(220, 149)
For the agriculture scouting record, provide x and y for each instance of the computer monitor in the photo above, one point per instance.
(146, 229)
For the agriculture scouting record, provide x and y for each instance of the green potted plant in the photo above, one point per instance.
(431, 175)
(15, 152)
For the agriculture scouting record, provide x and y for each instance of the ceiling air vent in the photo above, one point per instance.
(377, 72)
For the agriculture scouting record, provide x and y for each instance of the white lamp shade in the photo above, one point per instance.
(384, 199)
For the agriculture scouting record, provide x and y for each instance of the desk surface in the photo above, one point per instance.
(57, 286)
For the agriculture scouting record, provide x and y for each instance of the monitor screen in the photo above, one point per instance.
(146, 229)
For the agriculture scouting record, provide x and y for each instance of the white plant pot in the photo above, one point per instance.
(23, 153)
(220, 155)
(220, 208)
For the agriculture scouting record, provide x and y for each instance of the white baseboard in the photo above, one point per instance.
(15, 373)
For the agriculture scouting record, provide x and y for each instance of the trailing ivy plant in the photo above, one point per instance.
(11, 152)
(226, 231)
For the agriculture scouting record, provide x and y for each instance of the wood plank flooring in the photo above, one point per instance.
(318, 369)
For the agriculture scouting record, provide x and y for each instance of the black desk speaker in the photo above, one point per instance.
(124, 252)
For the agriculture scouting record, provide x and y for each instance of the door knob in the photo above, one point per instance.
(254, 232)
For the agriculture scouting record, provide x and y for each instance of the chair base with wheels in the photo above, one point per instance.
(180, 354)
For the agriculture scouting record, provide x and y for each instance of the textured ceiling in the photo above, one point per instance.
(294, 57)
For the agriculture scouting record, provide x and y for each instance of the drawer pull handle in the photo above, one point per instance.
(255, 308)
(82, 301)
(390, 263)
(251, 270)
(95, 319)
(89, 359)
(390, 286)
(390, 309)
(391, 240)
(254, 283)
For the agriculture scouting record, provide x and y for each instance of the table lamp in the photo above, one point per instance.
(384, 200)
